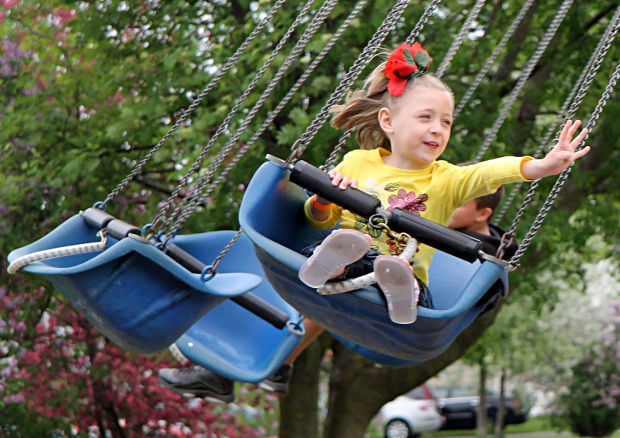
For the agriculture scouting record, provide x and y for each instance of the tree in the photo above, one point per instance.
(89, 88)
(63, 141)
(69, 373)
(591, 405)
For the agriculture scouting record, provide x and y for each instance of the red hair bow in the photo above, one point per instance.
(405, 62)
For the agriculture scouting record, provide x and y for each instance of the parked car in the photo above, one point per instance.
(411, 414)
(459, 406)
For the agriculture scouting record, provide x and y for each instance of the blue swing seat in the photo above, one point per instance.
(132, 292)
(230, 340)
(271, 215)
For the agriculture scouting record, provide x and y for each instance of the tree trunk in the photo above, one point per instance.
(357, 387)
(107, 417)
(501, 408)
(482, 418)
(299, 409)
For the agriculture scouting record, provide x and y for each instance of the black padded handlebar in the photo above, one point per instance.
(119, 229)
(425, 231)
(319, 182)
(248, 300)
(431, 233)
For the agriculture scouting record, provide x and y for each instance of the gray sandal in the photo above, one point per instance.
(400, 287)
(341, 248)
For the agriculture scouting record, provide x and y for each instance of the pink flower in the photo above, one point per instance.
(408, 201)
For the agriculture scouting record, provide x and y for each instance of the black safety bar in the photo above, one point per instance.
(425, 231)
(119, 229)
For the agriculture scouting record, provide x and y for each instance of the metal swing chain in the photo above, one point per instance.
(491, 60)
(460, 37)
(195, 103)
(514, 261)
(333, 157)
(285, 100)
(564, 114)
(182, 211)
(217, 260)
(161, 215)
(302, 143)
(426, 15)
(601, 51)
(395, 13)
(273, 114)
(527, 71)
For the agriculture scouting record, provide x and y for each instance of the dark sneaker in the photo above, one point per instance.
(278, 381)
(197, 381)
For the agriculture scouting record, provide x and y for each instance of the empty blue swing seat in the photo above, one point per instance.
(229, 339)
(132, 292)
(271, 215)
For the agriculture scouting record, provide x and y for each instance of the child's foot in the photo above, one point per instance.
(395, 277)
(339, 249)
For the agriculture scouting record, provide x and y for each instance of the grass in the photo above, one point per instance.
(529, 429)
(535, 424)
(531, 426)
(542, 424)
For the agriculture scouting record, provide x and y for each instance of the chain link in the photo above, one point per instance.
(491, 60)
(598, 58)
(293, 90)
(537, 224)
(378, 222)
(567, 111)
(184, 210)
(216, 261)
(460, 37)
(527, 71)
(161, 221)
(192, 107)
(419, 26)
(272, 114)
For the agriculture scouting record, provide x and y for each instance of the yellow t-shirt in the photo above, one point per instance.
(432, 193)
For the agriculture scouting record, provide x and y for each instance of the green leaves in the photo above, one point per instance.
(83, 104)
(422, 60)
(409, 57)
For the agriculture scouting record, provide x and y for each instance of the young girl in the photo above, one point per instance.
(403, 119)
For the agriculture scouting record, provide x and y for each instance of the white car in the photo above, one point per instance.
(411, 414)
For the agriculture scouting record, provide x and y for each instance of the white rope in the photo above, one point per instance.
(338, 287)
(178, 354)
(350, 284)
(63, 251)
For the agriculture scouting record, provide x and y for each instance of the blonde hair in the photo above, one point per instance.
(361, 109)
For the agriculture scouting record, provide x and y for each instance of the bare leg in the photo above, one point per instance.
(313, 330)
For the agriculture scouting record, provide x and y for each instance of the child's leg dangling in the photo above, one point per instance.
(339, 249)
(395, 278)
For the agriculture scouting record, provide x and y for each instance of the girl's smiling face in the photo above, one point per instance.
(418, 125)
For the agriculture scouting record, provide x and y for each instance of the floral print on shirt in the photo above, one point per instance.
(408, 201)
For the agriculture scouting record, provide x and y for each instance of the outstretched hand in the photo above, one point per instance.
(562, 155)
